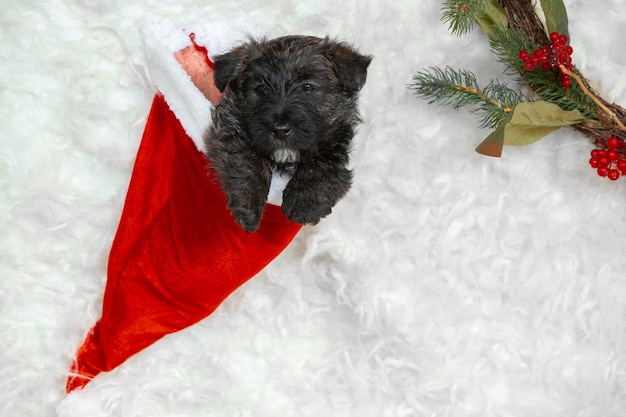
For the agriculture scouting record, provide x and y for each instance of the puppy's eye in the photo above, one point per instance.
(308, 87)
(261, 89)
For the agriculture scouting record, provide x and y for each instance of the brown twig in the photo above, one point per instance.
(522, 16)
(612, 115)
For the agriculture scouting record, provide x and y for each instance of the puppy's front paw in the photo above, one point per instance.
(304, 207)
(249, 220)
(246, 212)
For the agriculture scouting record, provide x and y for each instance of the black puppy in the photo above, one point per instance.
(291, 105)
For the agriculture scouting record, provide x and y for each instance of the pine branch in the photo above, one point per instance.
(461, 15)
(460, 88)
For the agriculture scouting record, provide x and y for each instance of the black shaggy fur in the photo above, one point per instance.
(291, 105)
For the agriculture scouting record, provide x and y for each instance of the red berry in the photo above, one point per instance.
(613, 174)
(613, 142)
(600, 153)
(564, 39)
(594, 162)
(603, 162)
(612, 155)
(529, 67)
(555, 36)
(523, 54)
(621, 165)
(569, 50)
(566, 82)
(553, 61)
(603, 171)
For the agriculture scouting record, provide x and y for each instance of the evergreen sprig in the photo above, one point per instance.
(461, 15)
(459, 88)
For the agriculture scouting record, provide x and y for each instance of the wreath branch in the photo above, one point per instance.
(521, 15)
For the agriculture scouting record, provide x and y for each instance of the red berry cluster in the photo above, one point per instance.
(552, 56)
(609, 163)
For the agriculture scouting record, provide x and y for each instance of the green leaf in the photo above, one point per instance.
(493, 144)
(492, 15)
(532, 121)
(556, 16)
(529, 122)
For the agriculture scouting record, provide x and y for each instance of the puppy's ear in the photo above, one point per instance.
(229, 66)
(349, 65)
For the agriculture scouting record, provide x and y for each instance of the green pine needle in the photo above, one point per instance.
(461, 15)
(458, 88)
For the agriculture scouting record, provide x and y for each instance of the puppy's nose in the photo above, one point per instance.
(281, 130)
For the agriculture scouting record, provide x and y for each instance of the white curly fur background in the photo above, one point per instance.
(446, 284)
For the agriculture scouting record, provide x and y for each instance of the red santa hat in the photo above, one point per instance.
(177, 253)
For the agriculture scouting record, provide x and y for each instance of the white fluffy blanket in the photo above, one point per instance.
(446, 284)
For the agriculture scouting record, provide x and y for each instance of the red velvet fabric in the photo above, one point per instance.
(177, 253)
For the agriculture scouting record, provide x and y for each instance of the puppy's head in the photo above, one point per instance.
(293, 92)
